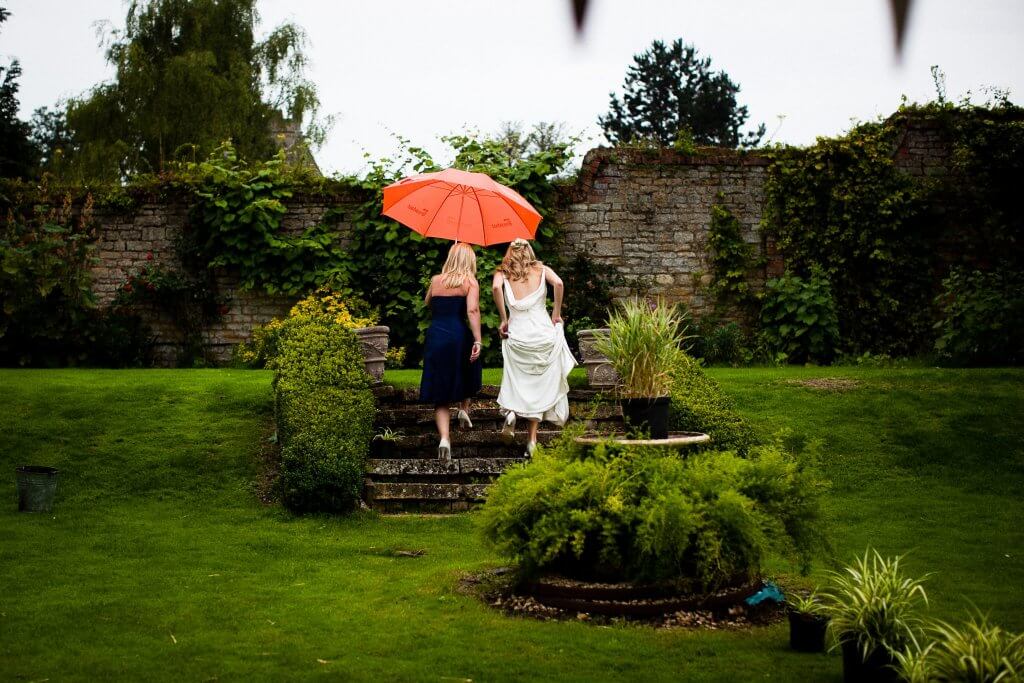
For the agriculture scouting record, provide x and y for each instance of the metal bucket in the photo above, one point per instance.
(37, 487)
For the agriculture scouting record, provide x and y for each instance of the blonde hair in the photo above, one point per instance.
(519, 260)
(460, 264)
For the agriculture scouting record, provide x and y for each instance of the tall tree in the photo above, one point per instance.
(190, 74)
(670, 92)
(17, 154)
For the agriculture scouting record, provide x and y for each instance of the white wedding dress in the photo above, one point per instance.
(534, 384)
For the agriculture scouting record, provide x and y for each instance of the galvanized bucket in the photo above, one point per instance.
(37, 486)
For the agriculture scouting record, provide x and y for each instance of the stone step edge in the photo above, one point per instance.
(382, 491)
(435, 467)
(386, 392)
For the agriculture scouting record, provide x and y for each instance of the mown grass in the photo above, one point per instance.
(160, 563)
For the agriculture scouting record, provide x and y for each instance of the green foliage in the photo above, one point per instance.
(390, 266)
(46, 299)
(982, 319)
(806, 604)
(843, 206)
(238, 219)
(324, 414)
(588, 294)
(798, 318)
(974, 652)
(672, 96)
(715, 343)
(642, 342)
(732, 258)
(189, 75)
(874, 604)
(646, 514)
(698, 405)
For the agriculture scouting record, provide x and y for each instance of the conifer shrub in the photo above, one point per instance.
(616, 513)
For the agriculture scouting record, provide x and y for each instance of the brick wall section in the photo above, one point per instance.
(648, 213)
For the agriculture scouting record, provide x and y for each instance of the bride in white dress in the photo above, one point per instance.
(537, 360)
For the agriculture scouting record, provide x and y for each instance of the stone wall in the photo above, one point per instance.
(148, 235)
(647, 213)
(644, 212)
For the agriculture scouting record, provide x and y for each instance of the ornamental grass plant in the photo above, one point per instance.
(642, 343)
(973, 652)
(875, 605)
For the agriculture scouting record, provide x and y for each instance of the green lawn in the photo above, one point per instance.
(159, 562)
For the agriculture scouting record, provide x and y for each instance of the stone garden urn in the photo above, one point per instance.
(374, 342)
(600, 373)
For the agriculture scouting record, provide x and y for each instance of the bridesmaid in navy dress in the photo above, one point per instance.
(451, 356)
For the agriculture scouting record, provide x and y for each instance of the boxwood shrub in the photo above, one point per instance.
(698, 405)
(324, 412)
(646, 514)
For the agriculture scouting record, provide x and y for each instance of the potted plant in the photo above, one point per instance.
(385, 444)
(873, 610)
(807, 623)
(642, 344)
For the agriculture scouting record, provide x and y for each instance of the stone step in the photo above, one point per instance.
(386, 394)
(483, 418)
(432, 467)
(459, 438)
(418, 491)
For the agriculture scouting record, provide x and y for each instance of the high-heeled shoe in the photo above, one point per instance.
(530, 448)
(508, 430)
(464, 420)
(444, 450)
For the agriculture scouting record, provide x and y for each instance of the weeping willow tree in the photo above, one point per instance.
(190, 74)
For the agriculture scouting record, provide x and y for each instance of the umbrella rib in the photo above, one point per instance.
(512, 206)
(479, 208)
(432, 218)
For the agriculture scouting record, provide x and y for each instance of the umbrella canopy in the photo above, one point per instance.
(463, 206)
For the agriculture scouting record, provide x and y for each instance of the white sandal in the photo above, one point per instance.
(464, 420)
(444, 450)
(508, 430)
(530, 448)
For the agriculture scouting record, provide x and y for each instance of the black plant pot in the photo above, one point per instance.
(877, 668)
(807, 632)
(648, 415)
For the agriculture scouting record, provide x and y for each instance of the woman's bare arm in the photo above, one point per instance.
(498, 292)
(473, 313)
(430, 292)
(556, 284)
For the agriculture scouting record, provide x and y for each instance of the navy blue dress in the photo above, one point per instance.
(448, 376)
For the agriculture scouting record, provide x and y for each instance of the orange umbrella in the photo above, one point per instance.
(462, 206)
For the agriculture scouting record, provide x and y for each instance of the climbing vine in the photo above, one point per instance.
(732, 259)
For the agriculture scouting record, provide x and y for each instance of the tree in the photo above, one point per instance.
(190, 74)
(17, 155)
(51, 137)
(670, 93)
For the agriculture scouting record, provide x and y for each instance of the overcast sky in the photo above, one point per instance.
(424, 69)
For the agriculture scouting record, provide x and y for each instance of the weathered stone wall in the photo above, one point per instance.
(148, 235)
(645, 212)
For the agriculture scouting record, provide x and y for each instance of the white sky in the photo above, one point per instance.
(424, 69)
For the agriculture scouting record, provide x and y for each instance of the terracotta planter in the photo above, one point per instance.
(374, 341)
(600, 373)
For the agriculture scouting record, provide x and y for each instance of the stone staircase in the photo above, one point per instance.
(406, 475)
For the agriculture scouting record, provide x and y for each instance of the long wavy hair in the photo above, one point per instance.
(460, 264)
(519, 260)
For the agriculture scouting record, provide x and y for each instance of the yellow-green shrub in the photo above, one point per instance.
(698, 405)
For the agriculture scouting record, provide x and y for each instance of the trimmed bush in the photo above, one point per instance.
(324, 412)
(698, 405)
(325, 437)
(634, 513)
